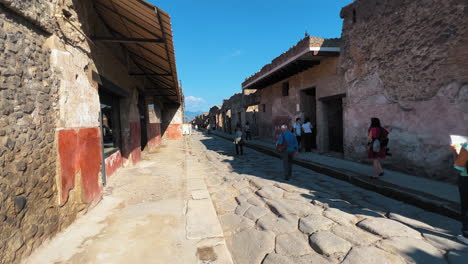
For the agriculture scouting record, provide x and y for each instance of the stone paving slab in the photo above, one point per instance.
(314, 223)
(327, 243)
(202, 221)
(371, 255)
(388, 228)
(292, 244)
(413, 250)
(251, 246)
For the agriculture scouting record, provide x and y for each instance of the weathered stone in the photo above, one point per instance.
(255, 201)
(255, 212)
(251, 246)
(388, 228)
(10, 144)
(225, 206)
(241, 185)
(298, 196)
(292, 244)
(260, 183)
(270, 192)
(328, 243)
(441, 242)
(314, 223)
(306, 259)
(410, 221)
(21, 165)
(232, 223)
(242, 208)
(413, 250)
(20, 203)
(371, 255)
(285, 207)
(278, 225)
(340, 217)
(241, 199)
(200, 194)
(354, 235)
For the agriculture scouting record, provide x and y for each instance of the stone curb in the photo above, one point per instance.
(422, 200)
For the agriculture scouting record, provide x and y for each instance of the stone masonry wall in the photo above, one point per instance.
(405, 61)
(29, 212)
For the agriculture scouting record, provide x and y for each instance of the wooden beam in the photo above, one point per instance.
(148, 74)
(127, 40)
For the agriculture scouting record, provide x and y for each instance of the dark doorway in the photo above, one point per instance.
(110, 121)
(309, 109)
(334, 115)
(142, 108)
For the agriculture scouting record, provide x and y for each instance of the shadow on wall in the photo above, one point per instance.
(171, 127)
(333, 193)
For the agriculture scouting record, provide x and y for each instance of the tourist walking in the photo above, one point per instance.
(238, 141)
(297, 129)
(307, 135)
(287, 146)
(248, 134)
(461, 164)
(377, 145)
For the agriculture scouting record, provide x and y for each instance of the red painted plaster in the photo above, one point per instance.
(135, 143)
(113, 163)
(80, 150)
(174, 132)
(90, 162)
(154, 136)
(68, 157)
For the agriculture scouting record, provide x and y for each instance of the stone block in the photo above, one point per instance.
(388, 228)
(328, 243)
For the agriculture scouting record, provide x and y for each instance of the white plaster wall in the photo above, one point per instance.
(78, 99)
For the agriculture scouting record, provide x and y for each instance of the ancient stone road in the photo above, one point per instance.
(161, 211)
(315, 218)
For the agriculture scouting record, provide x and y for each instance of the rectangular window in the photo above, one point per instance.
(286, 89)
(110, 119)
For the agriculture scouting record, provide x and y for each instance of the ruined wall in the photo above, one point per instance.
(406, 62)
(285, 109)
(29, 212)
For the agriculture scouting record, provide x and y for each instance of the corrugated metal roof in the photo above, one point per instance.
(146, 32)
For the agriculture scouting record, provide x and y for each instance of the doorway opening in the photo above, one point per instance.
(309, 110)
(110, 122)
(142, 108)
(333, 107)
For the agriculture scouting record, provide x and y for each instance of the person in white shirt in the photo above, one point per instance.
(298, 131)
(238, 141)
(307, 135)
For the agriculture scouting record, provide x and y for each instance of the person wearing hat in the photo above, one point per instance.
(287, 146)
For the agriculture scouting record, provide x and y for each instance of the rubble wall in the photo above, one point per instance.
(405, 62)
(29, 212)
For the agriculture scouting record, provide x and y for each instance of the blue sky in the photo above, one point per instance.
(219, 43)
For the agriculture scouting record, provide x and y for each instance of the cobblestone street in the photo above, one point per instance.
(317, 219)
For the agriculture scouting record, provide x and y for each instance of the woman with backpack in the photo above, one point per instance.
(377, 142)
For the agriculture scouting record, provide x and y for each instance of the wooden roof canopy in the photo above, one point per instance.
(307, 53)
(146, 32)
